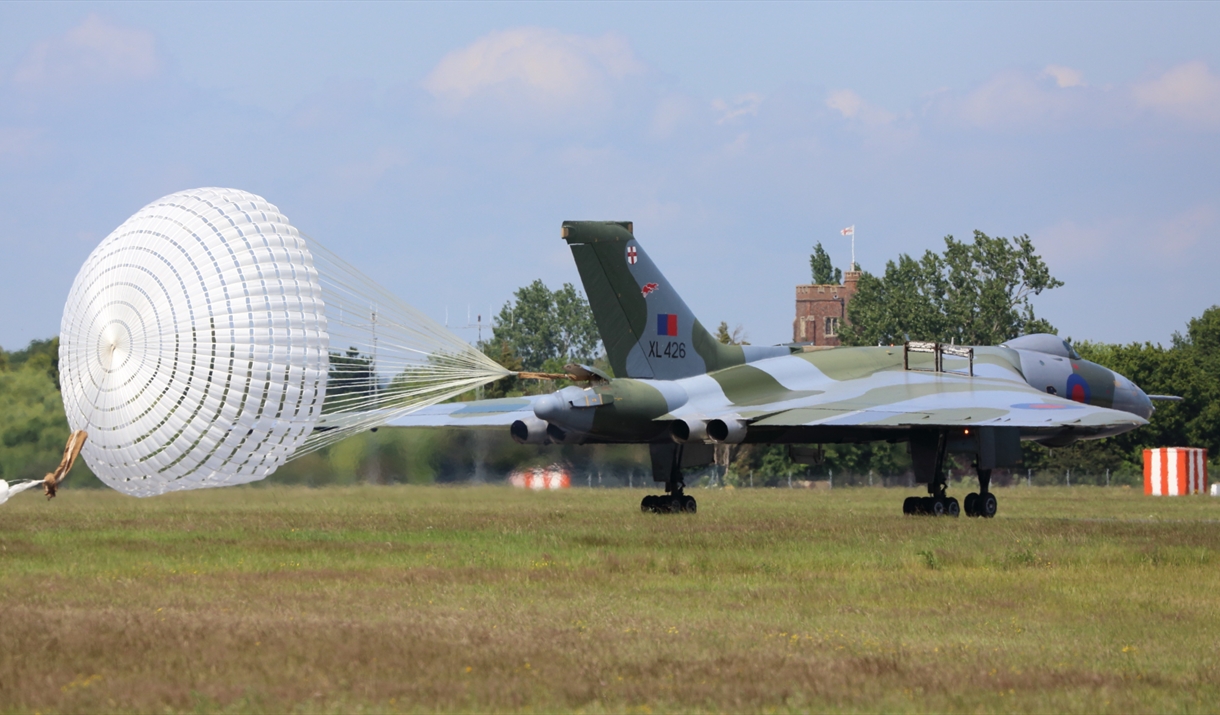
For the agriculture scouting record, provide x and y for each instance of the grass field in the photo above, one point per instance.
(458, 599)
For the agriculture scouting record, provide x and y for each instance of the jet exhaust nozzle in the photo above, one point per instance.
(727, 431)
(688, 430)
(529, 431)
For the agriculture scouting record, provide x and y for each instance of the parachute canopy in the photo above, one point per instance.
(206, 341)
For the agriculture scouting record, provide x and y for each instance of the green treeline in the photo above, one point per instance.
(33, 428)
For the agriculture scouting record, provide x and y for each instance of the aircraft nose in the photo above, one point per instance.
(1129, 398)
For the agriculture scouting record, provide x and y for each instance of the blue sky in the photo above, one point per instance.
(438, 147)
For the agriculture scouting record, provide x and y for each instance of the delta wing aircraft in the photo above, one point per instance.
(681, 391)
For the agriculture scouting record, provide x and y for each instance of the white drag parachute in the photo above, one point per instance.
(206, 341)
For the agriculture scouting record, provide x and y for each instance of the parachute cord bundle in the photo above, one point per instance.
(386, 358)
(206, 341)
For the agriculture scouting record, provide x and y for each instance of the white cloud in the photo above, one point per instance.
(1012, 98)
(670, 113)
(1157, 240)
(847, 102)
(93, 52)
(1064, 76)
(853, 106)
(1189, 91)
(543, 68)
(739, 106)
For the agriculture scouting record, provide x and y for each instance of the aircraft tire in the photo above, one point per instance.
(688, 505)
(649, 505)
(987, 505)
(910, 506)
(971, 505)
(952, 508)
(936, 506)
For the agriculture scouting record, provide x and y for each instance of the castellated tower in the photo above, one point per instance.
(822, 309)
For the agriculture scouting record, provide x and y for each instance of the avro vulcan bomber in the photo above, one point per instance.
(681, 392)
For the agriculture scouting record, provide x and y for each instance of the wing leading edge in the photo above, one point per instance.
(481, 413)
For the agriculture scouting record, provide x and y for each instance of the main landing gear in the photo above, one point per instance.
(928, 451)
(669, 504)
(982, 504)
(667, 465)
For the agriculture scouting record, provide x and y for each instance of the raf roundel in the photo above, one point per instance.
(1078, 388)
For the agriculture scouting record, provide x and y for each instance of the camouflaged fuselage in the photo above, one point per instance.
(858, 394)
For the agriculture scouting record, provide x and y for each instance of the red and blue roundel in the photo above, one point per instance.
(1078, 389)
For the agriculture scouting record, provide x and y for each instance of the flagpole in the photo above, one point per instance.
(853, 246)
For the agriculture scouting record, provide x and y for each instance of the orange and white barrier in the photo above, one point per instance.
(552, 477)
(1172, 471)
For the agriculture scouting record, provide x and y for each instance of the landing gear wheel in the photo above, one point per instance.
(987, 505)
(951, 507)
(972, 504)
(937, 506)
(910, 506)
(668, 504)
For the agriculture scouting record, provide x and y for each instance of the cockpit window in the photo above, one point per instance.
(1043, 343)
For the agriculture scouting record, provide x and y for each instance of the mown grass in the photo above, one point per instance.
(460, 599)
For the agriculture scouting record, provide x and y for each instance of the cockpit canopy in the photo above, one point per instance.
(1043, 343)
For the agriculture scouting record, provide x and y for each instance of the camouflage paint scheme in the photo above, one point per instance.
(680, 385)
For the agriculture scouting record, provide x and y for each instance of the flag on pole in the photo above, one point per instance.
(851, 231)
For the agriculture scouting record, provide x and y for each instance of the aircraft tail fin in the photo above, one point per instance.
(647, 329)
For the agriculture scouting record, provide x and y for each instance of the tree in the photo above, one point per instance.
(351, 380)
(40, 355)
(824, 272)
(33, 426)
(736, 337)
(974, 293)
(546, 329)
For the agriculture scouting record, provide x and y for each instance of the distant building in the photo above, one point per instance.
(822, 309)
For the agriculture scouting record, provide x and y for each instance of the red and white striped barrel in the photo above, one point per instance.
(1173, 471)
